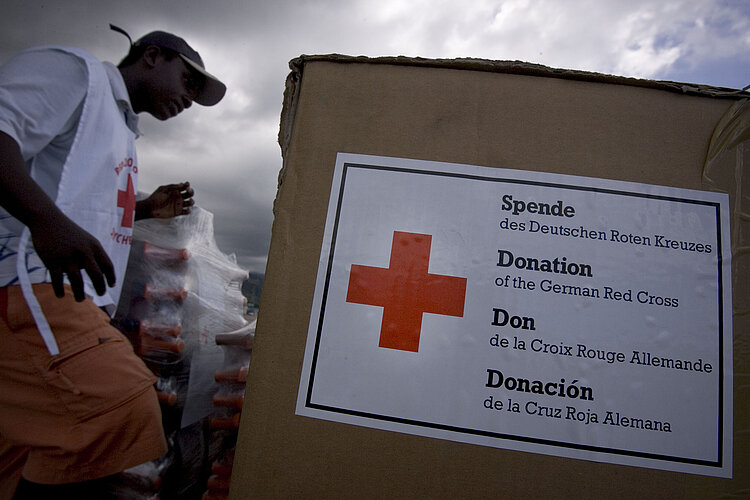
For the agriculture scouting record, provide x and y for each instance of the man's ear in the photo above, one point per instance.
(151, 55)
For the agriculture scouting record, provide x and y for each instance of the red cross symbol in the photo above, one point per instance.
(405, 290)
(126, 201)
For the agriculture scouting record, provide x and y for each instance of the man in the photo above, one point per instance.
(76, 404)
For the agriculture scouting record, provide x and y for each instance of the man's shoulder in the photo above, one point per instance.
(54, 56)
(48, 65)
(62, 50)
(58, 54)
(43, 86)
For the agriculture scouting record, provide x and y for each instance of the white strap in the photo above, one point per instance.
(28, 294)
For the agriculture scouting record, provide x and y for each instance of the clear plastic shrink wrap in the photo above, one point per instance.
(179, 294)
(228, 400)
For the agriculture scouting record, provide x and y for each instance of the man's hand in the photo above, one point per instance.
(167, 201)
(66, 248)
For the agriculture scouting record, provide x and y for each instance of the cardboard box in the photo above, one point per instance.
(495, 114)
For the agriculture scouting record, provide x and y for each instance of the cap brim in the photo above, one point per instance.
(213, 90)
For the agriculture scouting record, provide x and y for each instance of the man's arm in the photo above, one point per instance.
(63, 246)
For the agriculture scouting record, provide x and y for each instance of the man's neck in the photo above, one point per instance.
(132, 84)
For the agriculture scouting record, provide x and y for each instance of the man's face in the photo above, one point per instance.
(172, 86)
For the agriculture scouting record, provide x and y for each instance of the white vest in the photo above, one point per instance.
(97, 188)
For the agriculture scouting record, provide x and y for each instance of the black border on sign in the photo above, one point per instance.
(477, 432)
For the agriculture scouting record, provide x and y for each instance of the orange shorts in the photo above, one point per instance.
(90, 411)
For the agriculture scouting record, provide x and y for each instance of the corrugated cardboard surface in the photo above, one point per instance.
(504, 115)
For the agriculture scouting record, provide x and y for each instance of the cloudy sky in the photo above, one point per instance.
(230, 152)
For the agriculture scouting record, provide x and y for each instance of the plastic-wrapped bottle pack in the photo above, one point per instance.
(183, 310)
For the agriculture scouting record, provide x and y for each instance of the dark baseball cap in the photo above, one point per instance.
(213, 90)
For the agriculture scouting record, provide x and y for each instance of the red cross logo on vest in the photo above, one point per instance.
(405, 290)
(126, 201)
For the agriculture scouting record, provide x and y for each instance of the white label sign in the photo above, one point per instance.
(570, 316)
